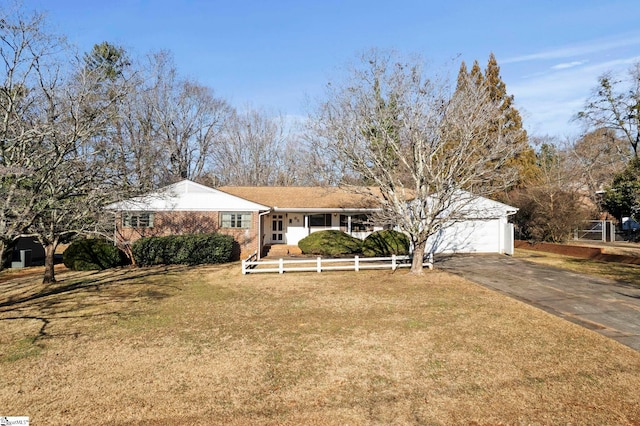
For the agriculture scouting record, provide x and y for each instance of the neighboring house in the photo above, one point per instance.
(27, 251)
(259, 217)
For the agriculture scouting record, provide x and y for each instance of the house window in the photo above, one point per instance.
(137, 219)
(359, 223)
(320, 220)
(240, 220)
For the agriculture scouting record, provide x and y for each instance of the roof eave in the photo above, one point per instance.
(324, 209)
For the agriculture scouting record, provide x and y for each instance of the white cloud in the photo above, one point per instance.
(554, 118)
(566, 65)
(586, 48)
(548, 102)
(553, 96)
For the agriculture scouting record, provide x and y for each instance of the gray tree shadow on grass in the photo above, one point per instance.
(80, 295)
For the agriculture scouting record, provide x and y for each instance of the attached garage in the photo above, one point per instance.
(482, 228)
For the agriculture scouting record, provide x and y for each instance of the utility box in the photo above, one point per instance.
(25, 259)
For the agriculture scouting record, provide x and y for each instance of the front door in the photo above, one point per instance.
(277, 229)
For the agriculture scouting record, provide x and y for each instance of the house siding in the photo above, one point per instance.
(188, 222)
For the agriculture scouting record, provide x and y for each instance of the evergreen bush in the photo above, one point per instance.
(330, 243)
(188, 249)
(386, 243)
(89, 254)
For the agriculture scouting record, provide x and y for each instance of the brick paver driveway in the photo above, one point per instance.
(606, 306)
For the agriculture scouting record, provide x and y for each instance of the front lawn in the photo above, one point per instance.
(206, 345)
(621, 272)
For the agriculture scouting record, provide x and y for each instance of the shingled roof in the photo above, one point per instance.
(306, 197)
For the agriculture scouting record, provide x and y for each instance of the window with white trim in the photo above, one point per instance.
(137, 219)
(238, 220)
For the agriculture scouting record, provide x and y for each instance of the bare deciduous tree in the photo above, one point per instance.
(189, 119)
(255, 149)
(418, 140)
(615, 105)
(132, 131)
(51, 153)
(554, 202)
(294, 165)
(595, 159)
(167, 127)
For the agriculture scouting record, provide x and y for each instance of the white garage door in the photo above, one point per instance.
(478, 236)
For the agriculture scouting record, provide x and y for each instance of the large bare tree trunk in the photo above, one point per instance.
(49, 263)
(418, 256)
(3, 255)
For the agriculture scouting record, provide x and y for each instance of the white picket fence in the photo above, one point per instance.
(251, 265)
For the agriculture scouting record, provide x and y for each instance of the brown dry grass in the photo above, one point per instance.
(209, 346)
(622, 272)
(623, 248)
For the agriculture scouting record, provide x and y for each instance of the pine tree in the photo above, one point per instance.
(462, 74)
(524, 161)
(497, 87)
(110, 59)
(476, 73)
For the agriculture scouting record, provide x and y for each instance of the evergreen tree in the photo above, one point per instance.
(525, 161)
(510, 122)
(462, 74)
(476, 73)
(497, 88)
(622, 199)
(110, 59)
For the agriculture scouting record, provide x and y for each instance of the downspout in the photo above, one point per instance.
(501, 233)
(260, 232)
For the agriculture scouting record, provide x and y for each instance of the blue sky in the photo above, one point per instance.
(277, 54)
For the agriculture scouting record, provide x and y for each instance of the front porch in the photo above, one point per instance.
(282, 230)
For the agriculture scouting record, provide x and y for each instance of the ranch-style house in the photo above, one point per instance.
(263, 217)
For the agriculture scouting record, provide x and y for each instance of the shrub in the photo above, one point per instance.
(330, 243)
(386, 243)
(93, 253)
(188, 249)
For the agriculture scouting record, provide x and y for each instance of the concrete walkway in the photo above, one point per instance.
(608, 307)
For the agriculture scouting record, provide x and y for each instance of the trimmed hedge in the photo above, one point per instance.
(386, 243)
(189, 249)
(330, 243)
(93, 253)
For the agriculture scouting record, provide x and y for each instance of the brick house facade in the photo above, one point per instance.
(256, 217)
(189, 208)
(185, 222)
